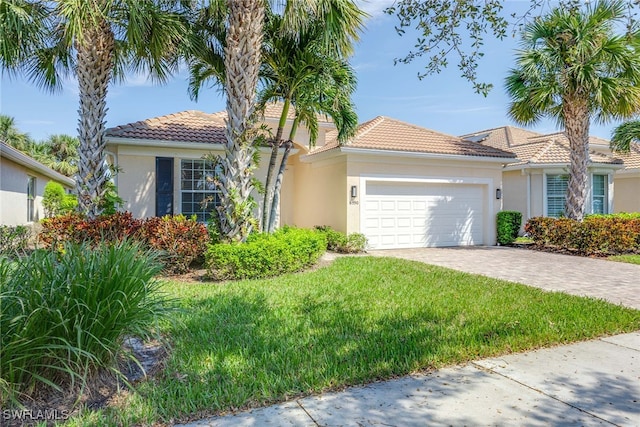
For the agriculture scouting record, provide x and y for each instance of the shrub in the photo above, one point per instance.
(340, 242)
(182, 240)
(14, 240)
(596, 234)
(508, 226)
(264, 255)
(75, 228)
(55, 200)
(52, 199)
(64, 315)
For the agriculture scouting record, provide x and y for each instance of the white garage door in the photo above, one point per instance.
(413, 215)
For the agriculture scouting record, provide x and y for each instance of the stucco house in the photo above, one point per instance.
(626, 180)
(401, 185)
(536, 183)
(22, 182)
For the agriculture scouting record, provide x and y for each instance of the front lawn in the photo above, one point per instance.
(631, 259)
(252, 343)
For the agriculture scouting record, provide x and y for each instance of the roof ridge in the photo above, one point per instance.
(366, 127)
(544, 150)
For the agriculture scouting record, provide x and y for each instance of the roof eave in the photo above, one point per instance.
(414, 154)
(529, 165)
(210, 146)
(19, 157)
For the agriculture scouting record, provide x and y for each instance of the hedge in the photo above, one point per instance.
(595, 235)
(508, 226)
(265, 255)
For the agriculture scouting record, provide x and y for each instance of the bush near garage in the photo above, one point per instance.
(341, 242)
(181, 240)
(596, 235)
(508, 224)
(265, 255)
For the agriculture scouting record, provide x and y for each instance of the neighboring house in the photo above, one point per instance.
(401, 185)
(22, 182)
(626, 180)
(536, 183)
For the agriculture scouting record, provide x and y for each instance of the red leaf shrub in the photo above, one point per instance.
(181, 239)
(597, 234)
(75, 228)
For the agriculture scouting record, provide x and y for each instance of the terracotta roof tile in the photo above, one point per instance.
(186, 126)
(535, 148)
(632, 158)
(384, 133)
(189, 126)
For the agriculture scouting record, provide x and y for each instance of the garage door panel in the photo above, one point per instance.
(400, 215)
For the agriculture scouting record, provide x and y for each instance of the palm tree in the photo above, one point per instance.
(342, 21)
(22, 26)
(573, 66)
(59, 152)
(624, 135)
(299, 72)
(242, 64)
(98, 41)
(10, 134)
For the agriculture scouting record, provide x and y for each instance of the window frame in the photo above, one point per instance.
(604, 196)
(204, 214)
(31, 198)
(546, 193)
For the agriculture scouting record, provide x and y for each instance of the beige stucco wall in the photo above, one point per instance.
(627, 193)
(136, 179)
(13, 193)
(320, 191)
(514, 192)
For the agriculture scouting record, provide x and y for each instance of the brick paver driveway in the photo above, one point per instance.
(614, 281)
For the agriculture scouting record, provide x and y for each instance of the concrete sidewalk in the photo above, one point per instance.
(589, 383)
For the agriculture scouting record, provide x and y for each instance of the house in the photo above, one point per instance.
(401, 185)
(626, 180)
(536, 183)
(22, 182)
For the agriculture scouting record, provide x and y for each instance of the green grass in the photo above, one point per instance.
(631, 259)
(252, 343)
(523, 239)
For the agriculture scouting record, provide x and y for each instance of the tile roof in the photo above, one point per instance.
(632, 158)
(384, 133)
(186, 126)
(189, 126)
(535, 148)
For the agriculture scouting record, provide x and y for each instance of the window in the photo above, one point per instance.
(31, 199)
(199, 194)
(556, 194)
(599, 197)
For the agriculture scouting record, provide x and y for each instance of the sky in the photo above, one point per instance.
(445, 102)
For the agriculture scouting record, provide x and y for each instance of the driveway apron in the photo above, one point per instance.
(613, 281)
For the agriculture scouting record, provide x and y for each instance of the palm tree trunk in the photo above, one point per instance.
(95, 56)
(275, 205)
(576, 120)
(242, 63)
(268, 187)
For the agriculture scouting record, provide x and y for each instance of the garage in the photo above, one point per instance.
(422, 214)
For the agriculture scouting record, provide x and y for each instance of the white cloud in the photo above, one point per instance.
(374, 8)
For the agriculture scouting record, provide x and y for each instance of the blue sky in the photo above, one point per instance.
(444, 102)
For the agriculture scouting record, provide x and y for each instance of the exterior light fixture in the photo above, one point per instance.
(354, 191)
(498, 193)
